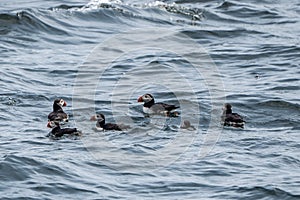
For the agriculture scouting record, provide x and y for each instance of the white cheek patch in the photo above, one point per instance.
(147, 99)
(62, 102)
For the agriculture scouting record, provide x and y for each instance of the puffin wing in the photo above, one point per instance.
(233, 118)
(58, 116)
(110, 126)
(65, 131)
(237, 118)
(163, 107)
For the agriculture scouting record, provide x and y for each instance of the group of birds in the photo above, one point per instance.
(58, 116)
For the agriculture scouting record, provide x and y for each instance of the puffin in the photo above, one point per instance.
(150, 107)
(187, 125)
(58, 114)
(231, 119)
(101, 125)
(58, 132)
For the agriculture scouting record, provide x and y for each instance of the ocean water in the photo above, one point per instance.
(100, 56)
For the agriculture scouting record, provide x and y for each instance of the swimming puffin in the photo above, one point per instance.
(58, 114)
(58, 132)
(231, 119)
(187, 125)
(150, 107)
(101, 125)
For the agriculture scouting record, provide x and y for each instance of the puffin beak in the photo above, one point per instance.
(65, 103)
(93, 118)
(140, 99)
(48, 125)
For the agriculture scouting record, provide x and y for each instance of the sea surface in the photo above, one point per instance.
(101, 55)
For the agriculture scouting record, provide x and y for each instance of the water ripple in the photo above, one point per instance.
(255, 48)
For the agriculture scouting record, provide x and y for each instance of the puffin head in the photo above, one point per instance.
(60, 102)
(52, 124)
(145, 98)
(227, 108)
(98, 117)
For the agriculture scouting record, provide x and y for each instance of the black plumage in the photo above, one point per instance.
(58, 114)
(231, 119)
(57, 131)
(150, 107)
(101, 125)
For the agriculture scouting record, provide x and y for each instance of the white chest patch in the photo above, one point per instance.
(98, 128)
(147, 110)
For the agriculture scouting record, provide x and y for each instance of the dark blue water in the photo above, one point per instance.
(102, 55)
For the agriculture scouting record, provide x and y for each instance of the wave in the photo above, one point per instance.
(156, 12)
(258, 192)
(42, 46)
(29, 21)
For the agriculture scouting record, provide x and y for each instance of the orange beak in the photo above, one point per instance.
(93, 118)
(65, 103)
(140, 99)
(48, 125)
